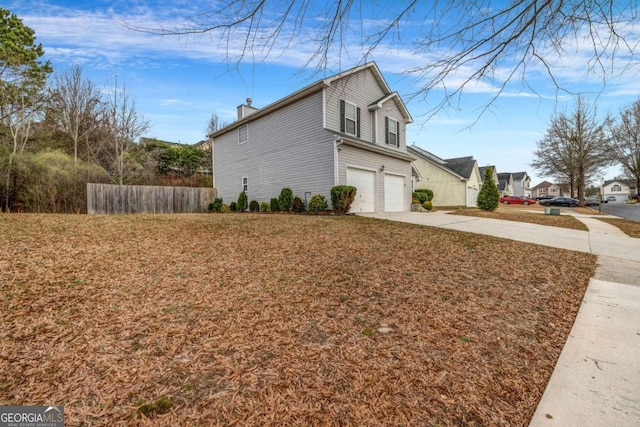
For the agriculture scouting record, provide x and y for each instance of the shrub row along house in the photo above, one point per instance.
(348, 129)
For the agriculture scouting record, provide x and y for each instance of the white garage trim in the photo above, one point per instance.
(394, 193)
(365, 182)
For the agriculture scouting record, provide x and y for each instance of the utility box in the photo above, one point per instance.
(552, 211)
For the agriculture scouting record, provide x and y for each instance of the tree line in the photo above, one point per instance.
(58, 133)
(578, 146)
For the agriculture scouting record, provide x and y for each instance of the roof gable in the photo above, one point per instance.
(463, 166)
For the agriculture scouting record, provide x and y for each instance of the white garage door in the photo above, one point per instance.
(394, 191)
(365, 183)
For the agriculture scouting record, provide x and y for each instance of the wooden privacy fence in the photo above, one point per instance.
(125, 199)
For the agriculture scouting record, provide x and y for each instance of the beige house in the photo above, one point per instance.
(454, 182)
(546, 188)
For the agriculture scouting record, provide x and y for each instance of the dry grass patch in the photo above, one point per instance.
(265, 320)
(520, 214)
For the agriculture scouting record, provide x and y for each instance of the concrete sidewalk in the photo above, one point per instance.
(596, 381)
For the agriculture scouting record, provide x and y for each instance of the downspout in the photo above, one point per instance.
(337, 142)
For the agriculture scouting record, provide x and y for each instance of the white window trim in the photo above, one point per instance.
(397, 124)
(246, 127)
(245, 184)
(354, 119)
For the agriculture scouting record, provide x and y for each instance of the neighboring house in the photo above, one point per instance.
(346, 129)
(546, 188)
(521, 184)
(454, 182)
(620, 188)
(505, 184)
(495, 173)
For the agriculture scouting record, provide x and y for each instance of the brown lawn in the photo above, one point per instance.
(248, 319)
(531, 214)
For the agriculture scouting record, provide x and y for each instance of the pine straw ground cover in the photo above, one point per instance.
(249, 319)
(525, 214)
(630, 228)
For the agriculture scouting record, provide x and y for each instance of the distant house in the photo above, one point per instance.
(349, 128)
(620, 188)
(495, 173)
(546, 188)
(521, 184)
(454, 182)
(505, 184)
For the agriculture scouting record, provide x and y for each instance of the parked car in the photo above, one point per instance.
(611, 199)
(517, 200)
(560, 201)
(545, 197)
(591, 201)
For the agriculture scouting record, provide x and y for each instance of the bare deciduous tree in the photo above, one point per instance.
(462, 43)
(575, 148)
(625, 140)
(125, 125)
(76, 105)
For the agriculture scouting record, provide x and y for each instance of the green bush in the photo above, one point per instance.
(216, 205)
(254, 206)
(489, 196)
(233, 207)
(264, 207)
(419, 196)
(225, 209)
(286, 199)
(427, 205)
(243, 202)
(298, 205)
(275, 205)
(342, 197)
(429, 193)
(318, 203)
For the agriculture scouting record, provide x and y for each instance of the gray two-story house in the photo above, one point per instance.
(345, 129)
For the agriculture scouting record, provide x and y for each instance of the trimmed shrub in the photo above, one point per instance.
(243, 202)
(342, 197)
(426, 191)
(286, 199)
(489, 196)
(427, 205)
(264, 207)
(216, 205)
(298, 205)
(254, 206)
(318, 203)
(225, 209)
(275, 205)
(233, 207)
(415, 201)
(419, 196)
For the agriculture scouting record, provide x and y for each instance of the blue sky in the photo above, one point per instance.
(179, 82)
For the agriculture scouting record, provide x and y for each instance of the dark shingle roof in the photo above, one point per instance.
(463, 166)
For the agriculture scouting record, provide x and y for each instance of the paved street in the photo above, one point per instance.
(623, 210)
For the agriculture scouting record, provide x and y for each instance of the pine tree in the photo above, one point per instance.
(489, 197)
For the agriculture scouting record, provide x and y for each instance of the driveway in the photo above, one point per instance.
(623, 210)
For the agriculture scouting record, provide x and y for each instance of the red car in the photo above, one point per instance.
(517, 200)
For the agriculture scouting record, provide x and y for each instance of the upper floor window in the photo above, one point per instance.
(616, 188)
(349, 118)
(243, 134)
(392, 131)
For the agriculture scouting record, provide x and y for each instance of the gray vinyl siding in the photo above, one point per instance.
(390, 109)
(287, 148)
(360, 89)
(358, 158)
